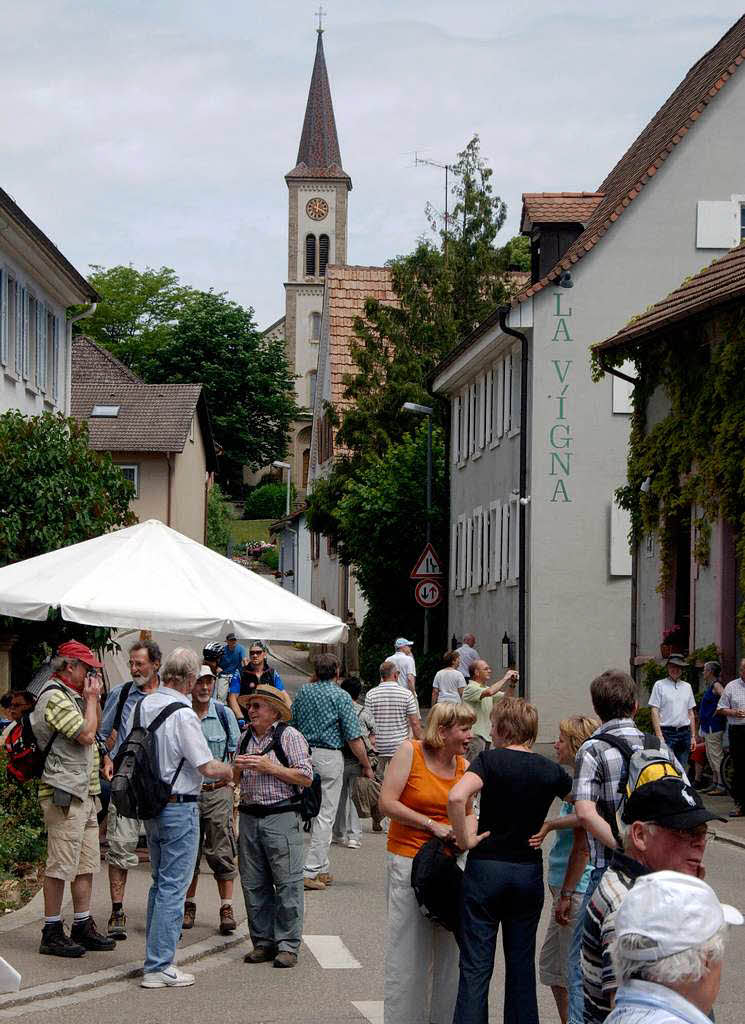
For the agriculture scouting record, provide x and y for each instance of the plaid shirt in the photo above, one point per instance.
(598, 769)
(257, 788)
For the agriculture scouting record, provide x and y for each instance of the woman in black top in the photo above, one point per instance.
(503, 881)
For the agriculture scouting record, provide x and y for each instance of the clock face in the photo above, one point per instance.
(317, 208)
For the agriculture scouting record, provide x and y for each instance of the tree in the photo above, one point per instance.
(219, 515)
(516, 253)
(136, 312)
(247, 382)
(55, 491)
(444, 291)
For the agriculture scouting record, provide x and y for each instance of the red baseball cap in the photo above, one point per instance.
(73, 649)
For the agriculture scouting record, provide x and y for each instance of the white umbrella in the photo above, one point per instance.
(151, 577)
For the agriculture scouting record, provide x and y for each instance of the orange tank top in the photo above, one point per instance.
(427, 794)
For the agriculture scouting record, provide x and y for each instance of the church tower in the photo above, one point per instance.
(318, 187)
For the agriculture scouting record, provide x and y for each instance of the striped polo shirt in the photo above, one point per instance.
(390, 705)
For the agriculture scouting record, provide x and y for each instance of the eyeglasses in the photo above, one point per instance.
(255, 653)
(691, 835)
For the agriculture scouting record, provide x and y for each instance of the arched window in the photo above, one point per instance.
(310, 255)
(315, 326)
(323, 254)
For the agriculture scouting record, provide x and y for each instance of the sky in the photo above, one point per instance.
(158, 132)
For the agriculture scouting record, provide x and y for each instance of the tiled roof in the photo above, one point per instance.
(348, 287)
(151, 418)
(558, 207)
(665, 131)
(720, 283)
(318, 155)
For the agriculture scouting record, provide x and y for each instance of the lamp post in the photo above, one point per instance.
(425, 410)
(285, 465)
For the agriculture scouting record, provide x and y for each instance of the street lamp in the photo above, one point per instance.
(425, 410)
(285, 465)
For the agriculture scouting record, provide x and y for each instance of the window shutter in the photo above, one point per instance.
(455, 428)
(508, 393)
(461, 552)
(517, 369)
(500, 398)
(620, 552)
(26, 305)
(469, 552)
(454, 557)
(486, 547)
(489, 406)
(55, 358)
(310, 255)
(3, 317)
(323, 254)
(717, 225)
(514, 538)
(482, 410)
(19, 329)
(478, 537)
(41, 346)
(505, 553)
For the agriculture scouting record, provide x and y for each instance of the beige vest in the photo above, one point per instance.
(69, 764)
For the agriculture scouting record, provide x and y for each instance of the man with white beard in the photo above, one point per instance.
(123, 833)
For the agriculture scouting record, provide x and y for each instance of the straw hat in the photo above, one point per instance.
(275, 698)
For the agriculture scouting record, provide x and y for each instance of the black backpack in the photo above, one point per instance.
(437, 881)
(137, 789)
(308, 801)
(123, 694)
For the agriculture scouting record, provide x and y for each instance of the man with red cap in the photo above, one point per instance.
(64, 722)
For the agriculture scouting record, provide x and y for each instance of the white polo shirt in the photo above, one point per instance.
(673, 701)
(405, 665)
(180, 736)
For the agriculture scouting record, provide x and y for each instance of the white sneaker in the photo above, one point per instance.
(354, 844)
(171, 977)
(339, 841)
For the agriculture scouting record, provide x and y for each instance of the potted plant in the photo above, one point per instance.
(671, 641)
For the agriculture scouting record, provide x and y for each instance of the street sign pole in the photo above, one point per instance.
(425, 645)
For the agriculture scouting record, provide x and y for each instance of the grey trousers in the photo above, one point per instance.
(270, 860)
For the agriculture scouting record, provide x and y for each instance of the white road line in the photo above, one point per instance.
(371, 1011)
(330, 951)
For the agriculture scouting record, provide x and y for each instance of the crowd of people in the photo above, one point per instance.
(633, 927)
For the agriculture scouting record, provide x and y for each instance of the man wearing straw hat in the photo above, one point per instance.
(270, 840)
(672, 705)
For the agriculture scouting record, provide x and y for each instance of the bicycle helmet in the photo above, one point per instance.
(213, 651)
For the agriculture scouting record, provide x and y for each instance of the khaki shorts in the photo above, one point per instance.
(123, 835)
(554, 955)
(72, 838)
(216, 837)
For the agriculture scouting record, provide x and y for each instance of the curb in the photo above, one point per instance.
(28, 914)
(727, 837)
(133, 969)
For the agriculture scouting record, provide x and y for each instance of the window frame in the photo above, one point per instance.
(135, 467)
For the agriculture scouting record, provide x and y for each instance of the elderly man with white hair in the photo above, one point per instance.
(173, 836)
(669, 949)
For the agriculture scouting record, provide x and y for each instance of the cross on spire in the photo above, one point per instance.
(320, 13)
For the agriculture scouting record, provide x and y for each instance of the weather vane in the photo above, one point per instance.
(320, 15)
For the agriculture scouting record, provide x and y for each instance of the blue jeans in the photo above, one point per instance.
(678, 740)
(574, 966)
(497, 892)
(172, 839)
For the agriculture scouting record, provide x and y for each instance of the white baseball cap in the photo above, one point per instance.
(403, 642)
(205, 670)
(674, 912)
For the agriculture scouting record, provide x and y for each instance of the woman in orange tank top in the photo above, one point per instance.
(421, 958)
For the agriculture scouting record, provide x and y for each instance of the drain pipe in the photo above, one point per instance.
(68, 360)
(504, 312)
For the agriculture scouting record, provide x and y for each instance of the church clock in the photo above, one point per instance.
(317, 208)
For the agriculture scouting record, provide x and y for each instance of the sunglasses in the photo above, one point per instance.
(254, 653)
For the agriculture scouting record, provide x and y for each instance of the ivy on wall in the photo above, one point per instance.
(694, 455)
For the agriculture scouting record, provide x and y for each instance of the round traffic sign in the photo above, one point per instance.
(428, 593)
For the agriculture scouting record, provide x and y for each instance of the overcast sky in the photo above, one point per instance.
(158, 132)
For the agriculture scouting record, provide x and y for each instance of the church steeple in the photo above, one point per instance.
(318, 155)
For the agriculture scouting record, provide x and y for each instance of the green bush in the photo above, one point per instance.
(219, 517)
(268, 501)
(270, 558)
(643, 720)
(23, 839)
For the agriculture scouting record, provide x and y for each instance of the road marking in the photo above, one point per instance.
(330, 951)
(371, 1011)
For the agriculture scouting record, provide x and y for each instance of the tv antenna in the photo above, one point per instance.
(447, 168)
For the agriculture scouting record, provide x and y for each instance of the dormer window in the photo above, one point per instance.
(106, 411)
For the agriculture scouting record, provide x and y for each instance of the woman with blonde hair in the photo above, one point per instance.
(567, 876)
(503, 880)
(421, 957)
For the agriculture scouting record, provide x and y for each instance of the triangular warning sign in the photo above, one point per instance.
(428, 565)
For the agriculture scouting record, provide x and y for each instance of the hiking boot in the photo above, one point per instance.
(190, 913)
(228, 922)
(326, 878)
(86, 933)
(315, 882)
(285, 959)
(259, 955)
(54, 942)
(117, 927)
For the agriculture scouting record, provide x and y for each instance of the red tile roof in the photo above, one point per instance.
(558, 207)
(720, 283)
(348, 288)
(665, 131)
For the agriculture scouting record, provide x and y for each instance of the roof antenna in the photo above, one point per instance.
(447, 168)
(320, 13)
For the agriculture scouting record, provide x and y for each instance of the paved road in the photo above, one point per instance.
(350, 918)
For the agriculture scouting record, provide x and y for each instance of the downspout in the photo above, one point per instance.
(634, 631)
(524, 499)
(68, 356)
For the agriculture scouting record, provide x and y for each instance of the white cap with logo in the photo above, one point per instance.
(403, 642)
(674, 912)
